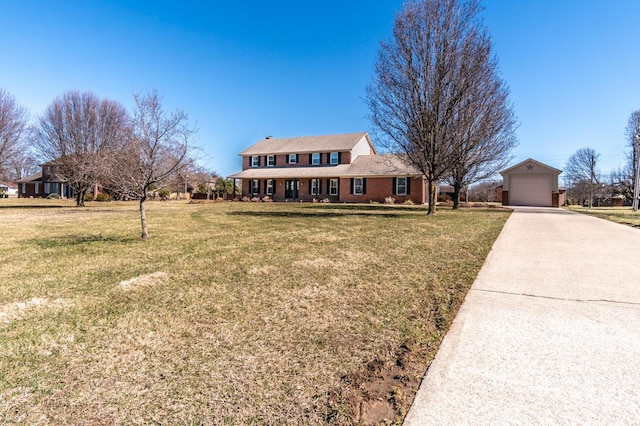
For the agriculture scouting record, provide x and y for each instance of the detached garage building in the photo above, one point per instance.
(530, 183)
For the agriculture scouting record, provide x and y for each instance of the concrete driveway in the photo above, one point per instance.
(548, 334)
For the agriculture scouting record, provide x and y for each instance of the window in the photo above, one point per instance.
(268, 187)
(24, 188)
(36, 188)
(401, 186)
(315, 158)
(315, 186)
(333, 187)
(255, 161)
(271, 160)
(255, 186)
(335, 158)
(55, 188)
(293, 158)
(358, 186)
(47, 188)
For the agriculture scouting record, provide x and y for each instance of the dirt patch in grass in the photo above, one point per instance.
(233, 313)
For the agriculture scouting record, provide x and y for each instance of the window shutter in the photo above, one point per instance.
(408, 185)
(309, 186)
(310, 159)
(274, 186)
(275, 160)
(258, 187)
(339, 158)
(265, 186)
(351, 187)
(364, 185)
(319, 186)
(395, 186)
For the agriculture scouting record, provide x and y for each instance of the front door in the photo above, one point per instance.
(291, 188)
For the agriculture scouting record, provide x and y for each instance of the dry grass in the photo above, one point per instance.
(623, 215)
(232, 313)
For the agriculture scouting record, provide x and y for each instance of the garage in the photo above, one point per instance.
(531, 190)
(530, 183)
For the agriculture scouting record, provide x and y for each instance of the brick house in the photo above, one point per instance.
(41, 185)
(339, 168)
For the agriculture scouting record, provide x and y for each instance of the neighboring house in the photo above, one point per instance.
(531, 183)
(48, 181)
(338, 168)
(8, 188)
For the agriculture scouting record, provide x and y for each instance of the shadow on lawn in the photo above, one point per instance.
(76, 240)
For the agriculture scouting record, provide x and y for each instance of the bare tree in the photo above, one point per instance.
(79, 132)
(484, 126)
(23, 163)
(424, 80)
(155, 154)
(633, 135)
(13, 121)
(581, 169)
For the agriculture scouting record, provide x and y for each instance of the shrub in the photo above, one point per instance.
(409, 202)
(389, 200)
(255, 200)
(103, 197)
(325, 200)
(245, 198)
(444, 198)
(53, 196)
(164, 194)
(267, 199)
(88, 197)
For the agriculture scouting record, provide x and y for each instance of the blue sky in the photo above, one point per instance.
(246, 70)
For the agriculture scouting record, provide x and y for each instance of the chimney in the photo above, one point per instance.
(269, 137)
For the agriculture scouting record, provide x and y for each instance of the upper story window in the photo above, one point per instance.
(271, 160)
(334, 158)
(315, 158)
(255, 161)
(293, 158)
(46, 170)
(401, 186)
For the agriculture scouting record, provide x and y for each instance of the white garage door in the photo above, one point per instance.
(530, 190)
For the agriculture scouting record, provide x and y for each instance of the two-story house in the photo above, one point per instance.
(340, 168)
(48, 181)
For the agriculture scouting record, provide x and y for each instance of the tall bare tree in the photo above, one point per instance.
(581, 169)
(484, 123)
(79, 132)
(155, 154)
(13, 121)
(423, 81)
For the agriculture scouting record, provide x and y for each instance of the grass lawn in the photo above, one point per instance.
(232, 313)
(622, 215)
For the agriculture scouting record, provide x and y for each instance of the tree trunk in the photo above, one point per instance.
(456, 196)
(433, 197)
(80, 198)
(143, 218)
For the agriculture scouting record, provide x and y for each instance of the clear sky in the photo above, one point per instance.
(248, 69)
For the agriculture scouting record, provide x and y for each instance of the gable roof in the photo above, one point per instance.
(31, 178)
(530, 160)
(307, 144)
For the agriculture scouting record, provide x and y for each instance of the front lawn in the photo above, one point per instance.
(622, 215)
(232, 313)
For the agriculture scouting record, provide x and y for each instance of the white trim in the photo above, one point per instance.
(398, 186)
(333, 190)
(315, 159)
(292, 159)
(255, 161)
(271, 160)
(356, 186)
